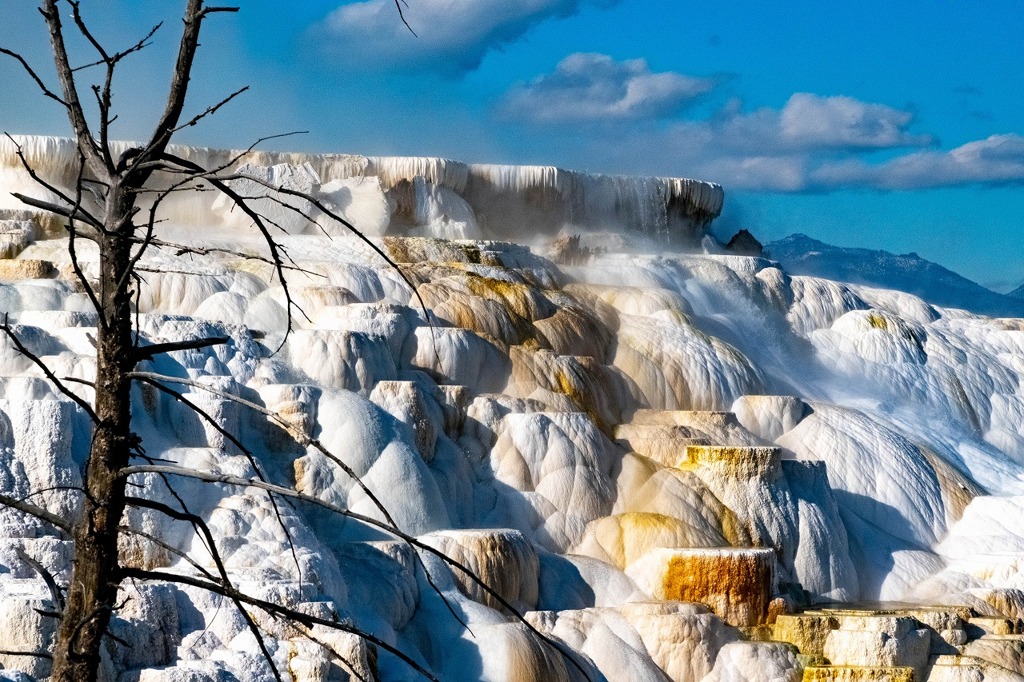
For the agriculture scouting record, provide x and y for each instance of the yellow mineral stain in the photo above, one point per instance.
(806, 631)
(734, 530)
(639, 532)
(742, 462)
(572, 387)
(877, 321)
(830, 673)
(515, 296)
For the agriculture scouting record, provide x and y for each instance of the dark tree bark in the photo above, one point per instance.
(92, 592)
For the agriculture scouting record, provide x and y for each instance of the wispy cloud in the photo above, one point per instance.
(714, 150)
(452, 36)
(587, 87)
(996, 160)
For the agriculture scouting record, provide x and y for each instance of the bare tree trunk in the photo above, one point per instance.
(96, 572)
(92, 591)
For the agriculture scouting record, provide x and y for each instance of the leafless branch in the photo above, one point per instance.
(38, 512)
(73, 234)
(341, 221)
(272, 245)
(164, 164)
(157, 381)
(76, 208)
(168, 548)
(244, 450)
(200, 526)
(148, 352)
(33, 654)
(277, 610)
(288, 492)
(34, 76)
(103, 97)
(42, 205)
(210, 110)
(401, 15)
(76, 114)
(306, 632)
(182, 249)
(89, 65)
(104, 57)
(300, 437)
(84, 30)
(211, 10)
(6, 329)
(195, 13)
(51, 584)
(222, 183)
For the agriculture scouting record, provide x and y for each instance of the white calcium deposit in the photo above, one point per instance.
(562, 428)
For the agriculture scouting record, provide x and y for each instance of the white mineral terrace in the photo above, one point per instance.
(679, 466)
(426, 196)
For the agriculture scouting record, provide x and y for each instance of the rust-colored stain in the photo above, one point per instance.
(736, 585)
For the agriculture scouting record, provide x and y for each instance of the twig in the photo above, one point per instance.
(305, 441)
(33, 654)
(244, 450)
(34, 76)
(401, 15)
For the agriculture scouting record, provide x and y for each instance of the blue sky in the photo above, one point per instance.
(874, 124)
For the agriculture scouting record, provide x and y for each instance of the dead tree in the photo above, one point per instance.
(115, 202)
(112, 222)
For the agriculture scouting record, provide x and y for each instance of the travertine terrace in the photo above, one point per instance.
(675, 462)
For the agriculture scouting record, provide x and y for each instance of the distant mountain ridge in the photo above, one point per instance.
(802, 255)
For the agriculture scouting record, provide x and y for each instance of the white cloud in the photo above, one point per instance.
(452, 36)
(815, 121)
(595, 87)
(812, 143)
(812, 124)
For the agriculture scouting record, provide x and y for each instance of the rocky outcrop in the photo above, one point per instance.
(743, 243)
